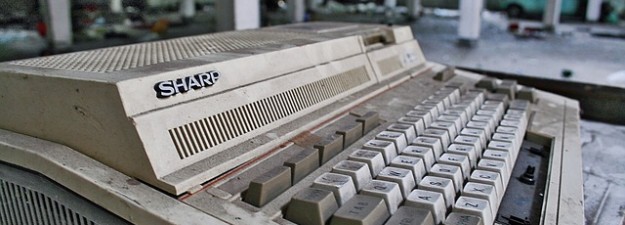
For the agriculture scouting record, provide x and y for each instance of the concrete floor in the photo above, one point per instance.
(592, 59)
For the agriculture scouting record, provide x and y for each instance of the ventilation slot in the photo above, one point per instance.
(21, 206)
(198, 136)
(145, 54)
(389, 65)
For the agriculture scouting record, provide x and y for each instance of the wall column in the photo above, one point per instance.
(551, 16)
(297, 10)
(593, 10)
(237, 14)
(470, 20)
(56, 14)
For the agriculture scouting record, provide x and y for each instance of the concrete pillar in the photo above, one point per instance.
(414, 8)
(56, 14)
(116, 6)
(237, 14)
(187, 8)
(470, 20)
(297, 10)
(551, 16)
(593, 10)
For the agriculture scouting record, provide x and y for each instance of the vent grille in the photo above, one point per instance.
(21, 206)
(145, 54)
(389, 65)
(203, 134)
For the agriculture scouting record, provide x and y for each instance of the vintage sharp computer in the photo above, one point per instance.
(310, 123)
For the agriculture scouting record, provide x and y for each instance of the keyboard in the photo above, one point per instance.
(315, 123)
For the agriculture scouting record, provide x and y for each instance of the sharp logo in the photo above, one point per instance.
(168, 88)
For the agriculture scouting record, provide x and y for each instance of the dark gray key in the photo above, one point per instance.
(303, 163)
(329, 147)
(463, 219)
(407, 215)
(311, 206)
(351, 133)
(269, 185)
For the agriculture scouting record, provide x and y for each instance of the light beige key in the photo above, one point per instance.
(479, 133)
(399, 139)
(464, 118)
(416, 122)
(441, 185)
(407, 215)
(451, 172)
(463, 219)
(496, 166)
(268, 186)
(318, 204)
(508, 130)
(359, 171)
(440, 106)
(475, 206)
(341, 185)
(486, 119)
(461, 161)
(469, 140)
(490, 178)
(489, 113)
(408, 131)
(389, 191)
(433, 110)
(361, 210)
(465, 150)
(449, 127)
(425, 115)
(497, 109)
(373, 159)
(440, 134)
(303, 164)
(403, 177)
(425, 153)
(508, 138)
(499, 155)
(456, 120)
(429, 200)
(482, 191)
(481, 126)
(441, 97)
(414, 164)
(429, 142)
(463, 108)
(387, 149)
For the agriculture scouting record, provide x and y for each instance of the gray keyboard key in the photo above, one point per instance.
(311, 206)
(407, 215)
(361, 210)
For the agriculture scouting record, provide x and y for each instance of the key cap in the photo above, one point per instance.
(496, 166)
(441, 97)
(429, 200)
(475, 206)
(361, 210)
(408, 131)
(464, 108)
(407, 215)
(389, 191)
(480, 126)
(461, 161)
(432, 143)
(486, 119)
(414, 164)
(519, 104)
(527, 93)
(499, 155)
(507, 130)
(433, 110)
(501, 146)
(425, 153)
(403, 177)
(303, 164)
(463, 219)
(318, 204)
(268, 186)
(478, 133)
(451, 172)
(425, 115)
(341, 185)
(488, 177)
(464, 118)
(359, 171)
(373, 159)
(465, 150)
(441, 185)
(440, 134)
(468, 140)
(449, 127)
(452, 119)
(506, 138)
(329, 147)
(440, 106)
(369, 121)
(417, 123)
(399, 139)
(482, 191)
(387, 149)
(351, 133)
(489, 113)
